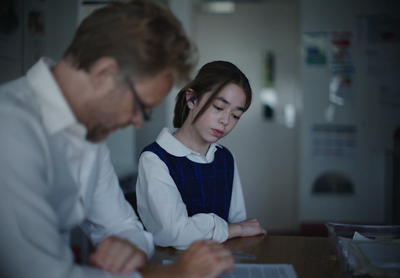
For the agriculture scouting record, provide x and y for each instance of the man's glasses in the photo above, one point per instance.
(146, 112)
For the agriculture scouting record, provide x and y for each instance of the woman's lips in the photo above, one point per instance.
(217, 132)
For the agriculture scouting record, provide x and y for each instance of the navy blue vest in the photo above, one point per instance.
(205, 188)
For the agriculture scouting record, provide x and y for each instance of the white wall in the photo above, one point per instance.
(265, 151)
(375, 123)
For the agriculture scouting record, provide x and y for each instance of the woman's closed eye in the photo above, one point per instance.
(220, 109)
(217, 108)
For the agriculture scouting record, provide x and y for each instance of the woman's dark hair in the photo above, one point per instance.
(212, 77)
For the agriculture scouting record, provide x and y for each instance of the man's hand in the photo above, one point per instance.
(203, 259)
(118, 256)
(248, 227)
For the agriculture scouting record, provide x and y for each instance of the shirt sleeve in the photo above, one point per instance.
(110, 213)
(164, 213)
(31, 244)
(237, 210)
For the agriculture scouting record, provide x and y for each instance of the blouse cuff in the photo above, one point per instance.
(220, 230)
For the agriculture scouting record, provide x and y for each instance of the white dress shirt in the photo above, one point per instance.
(51, 180)
(160, 204)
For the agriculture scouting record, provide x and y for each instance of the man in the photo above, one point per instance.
(55, 171)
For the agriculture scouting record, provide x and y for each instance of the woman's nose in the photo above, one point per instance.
(224, 119)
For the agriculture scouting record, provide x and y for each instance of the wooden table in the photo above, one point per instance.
(310, 256)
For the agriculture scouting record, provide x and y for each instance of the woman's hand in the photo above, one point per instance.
(248, 227)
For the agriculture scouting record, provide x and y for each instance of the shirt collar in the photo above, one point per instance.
(174, 147)
(55, 111)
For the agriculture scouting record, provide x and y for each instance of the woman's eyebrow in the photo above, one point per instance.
(228, 103)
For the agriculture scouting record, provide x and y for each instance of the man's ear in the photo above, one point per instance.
(104, 73)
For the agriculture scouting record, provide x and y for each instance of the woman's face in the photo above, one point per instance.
(221, 116)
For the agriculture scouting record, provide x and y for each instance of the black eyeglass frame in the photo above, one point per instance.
(146, 112)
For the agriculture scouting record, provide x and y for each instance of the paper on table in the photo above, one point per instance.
(375, 258)
(261, 271)
(258, 271)
(358, 236)
(381, 254)
(384, 238)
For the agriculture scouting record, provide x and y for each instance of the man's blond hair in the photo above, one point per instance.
(144, 37)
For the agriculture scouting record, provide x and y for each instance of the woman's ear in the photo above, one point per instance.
(190, 98)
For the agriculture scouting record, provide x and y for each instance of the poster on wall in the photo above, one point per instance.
(11, 29)
(379, 40)
(330, 141)
(340, 44)
(315, 48)
(342, 88)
